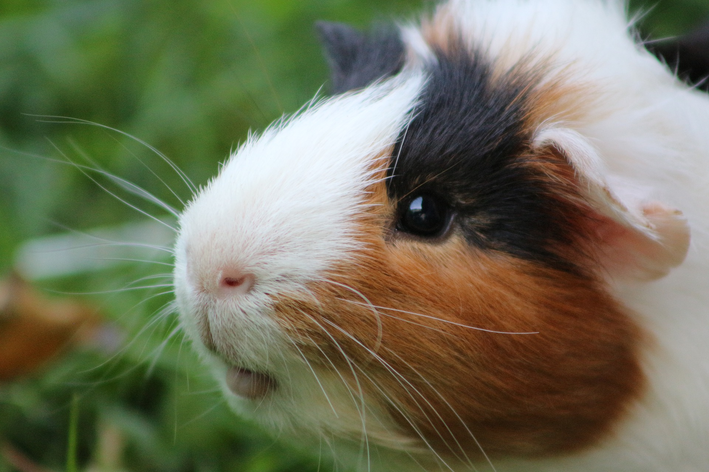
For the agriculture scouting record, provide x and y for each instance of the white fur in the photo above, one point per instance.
(282, 207)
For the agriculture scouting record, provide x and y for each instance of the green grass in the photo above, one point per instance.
(190, 78)
(72, 446)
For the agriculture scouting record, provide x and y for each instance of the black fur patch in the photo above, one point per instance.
(357, 59)
(466, 144)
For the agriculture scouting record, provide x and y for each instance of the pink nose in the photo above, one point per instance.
(234, 283)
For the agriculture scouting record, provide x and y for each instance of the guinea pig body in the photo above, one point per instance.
(475, 256)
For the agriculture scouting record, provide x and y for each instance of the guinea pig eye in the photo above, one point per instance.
(424, 215)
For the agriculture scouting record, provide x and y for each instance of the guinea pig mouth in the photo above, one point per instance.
(249, 384)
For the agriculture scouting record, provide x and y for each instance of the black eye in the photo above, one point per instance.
(424, 215)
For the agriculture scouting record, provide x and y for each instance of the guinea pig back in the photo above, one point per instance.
(475, 255)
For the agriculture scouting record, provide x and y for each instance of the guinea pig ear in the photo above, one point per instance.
(639, 238)
(357, 59)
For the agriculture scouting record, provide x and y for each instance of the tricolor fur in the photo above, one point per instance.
(559, 321)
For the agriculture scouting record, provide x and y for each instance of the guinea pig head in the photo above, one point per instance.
(423, 261)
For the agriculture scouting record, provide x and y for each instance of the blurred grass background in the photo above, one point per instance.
(190, 78)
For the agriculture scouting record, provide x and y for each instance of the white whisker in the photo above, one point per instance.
(69, 120)
(155, 174)
(106, 243)
(102, 187)
(380, 332)
(118, 290)
(399, 379)
(470, 433)
(317, 379)
(203, 414)
(361, 407)
(157, 352)
(125, 184)
(451, 322)
(142, 261)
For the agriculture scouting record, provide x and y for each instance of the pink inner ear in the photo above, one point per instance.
(637, 241)
(644, 254)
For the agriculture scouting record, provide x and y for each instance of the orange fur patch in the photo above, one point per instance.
(429, 330)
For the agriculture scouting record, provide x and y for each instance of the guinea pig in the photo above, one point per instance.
(475, 255)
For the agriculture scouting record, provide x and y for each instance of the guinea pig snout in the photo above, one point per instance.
(223, 283)
(234, 283)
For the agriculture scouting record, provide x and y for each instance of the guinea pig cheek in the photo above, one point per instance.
(509, 354)
(474, 349)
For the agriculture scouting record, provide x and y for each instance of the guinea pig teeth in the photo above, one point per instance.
(249, 384)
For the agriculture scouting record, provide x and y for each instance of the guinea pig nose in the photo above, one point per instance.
(234, 283)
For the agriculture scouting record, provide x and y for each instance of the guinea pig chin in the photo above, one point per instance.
(227, 327)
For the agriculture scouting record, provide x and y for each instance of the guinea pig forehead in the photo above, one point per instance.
(334, 139)
(470, 123)
(301, 185)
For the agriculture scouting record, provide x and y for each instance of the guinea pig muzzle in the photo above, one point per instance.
(249, 384)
